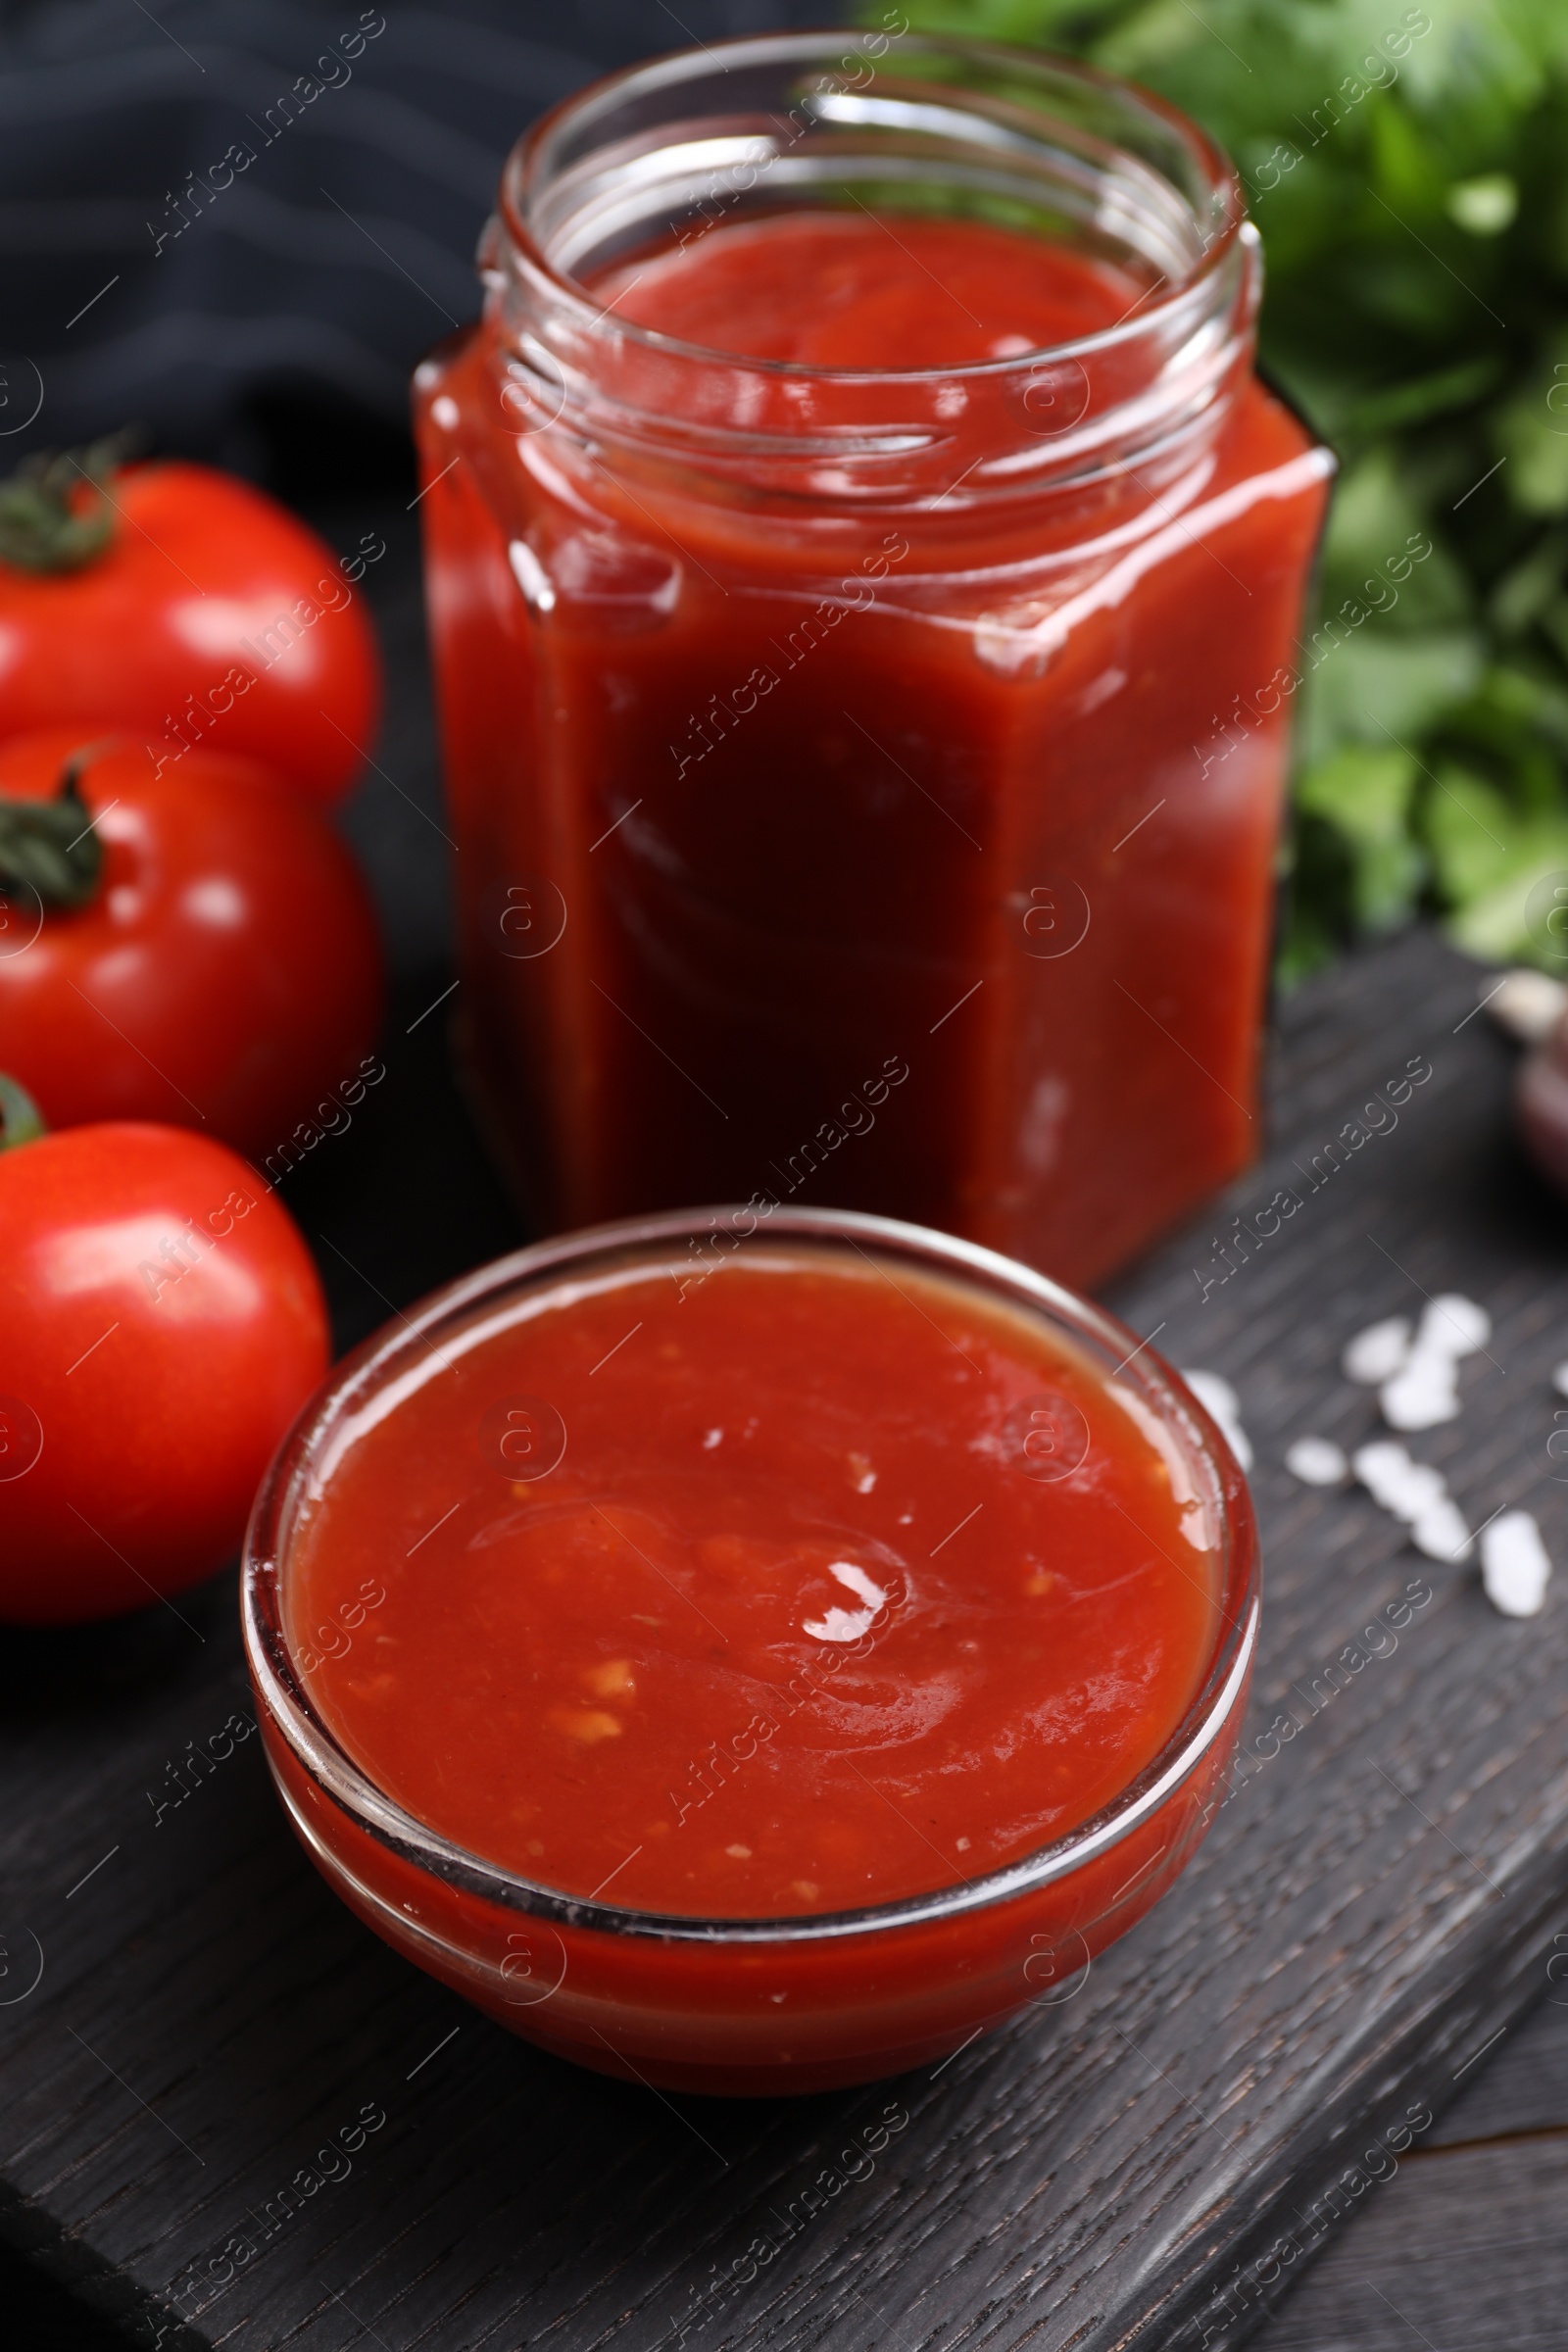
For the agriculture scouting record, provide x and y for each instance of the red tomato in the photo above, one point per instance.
(211, 616)
(225, 973)
(161, 1324)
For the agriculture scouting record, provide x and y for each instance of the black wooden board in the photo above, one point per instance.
(190, 2096)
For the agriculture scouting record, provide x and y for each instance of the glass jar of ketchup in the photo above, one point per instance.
(863, 572)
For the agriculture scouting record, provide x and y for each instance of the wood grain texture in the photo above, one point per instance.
(1474, 2255)
(1463, 2250)
(1376, 1902)
(1521, 2085)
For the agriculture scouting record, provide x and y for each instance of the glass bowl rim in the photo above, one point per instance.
(351, 1788)
(669, 67)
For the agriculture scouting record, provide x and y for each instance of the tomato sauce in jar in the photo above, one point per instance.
(863, 574)
(755, 1670)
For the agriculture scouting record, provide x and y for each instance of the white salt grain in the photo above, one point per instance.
(1316, 1461)
(1514, 1567)
(1441, 1532)
(1422, 1395)
(1222, 1402)
(1378, 1464)
(1416, 1495)
(1424, 1490)
(1375, 1354)
(1215, 1393)
(1394, 1482)
(1559, 1380)
(1452, 1325)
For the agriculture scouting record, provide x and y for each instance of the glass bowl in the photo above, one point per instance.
(749, 2006)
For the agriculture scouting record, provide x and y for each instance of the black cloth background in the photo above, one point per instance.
(279, 326)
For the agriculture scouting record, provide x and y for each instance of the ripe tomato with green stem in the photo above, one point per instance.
(196, 947)
(187, 607)
(161, 1324)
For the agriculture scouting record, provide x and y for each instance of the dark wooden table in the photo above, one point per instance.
(208, 2015)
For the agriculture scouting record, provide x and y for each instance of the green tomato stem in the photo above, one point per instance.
(49, 850)
(44, 526)
(21, 1119)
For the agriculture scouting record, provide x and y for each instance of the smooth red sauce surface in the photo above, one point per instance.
(791, 1625)
(859, 290)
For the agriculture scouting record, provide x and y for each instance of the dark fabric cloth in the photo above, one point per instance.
(146, 273)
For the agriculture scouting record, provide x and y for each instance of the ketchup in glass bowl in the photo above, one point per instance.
(752, 1669)
(864, 575)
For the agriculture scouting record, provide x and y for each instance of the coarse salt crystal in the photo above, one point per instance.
(1406, 1489)
(1422, 1491)
(1316, 1461)
(1422, 1395)
(1215, 1392)
(1452, 1325)
(1441, 1532)
(1222, 1402)
(1376, 1464)
(1514, 1567)
(1375, 1354)
(1415, 1494)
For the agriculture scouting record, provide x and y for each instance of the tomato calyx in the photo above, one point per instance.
(21, 1119)
(50, 850)
(45, 523)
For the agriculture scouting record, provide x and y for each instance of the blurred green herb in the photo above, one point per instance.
(1409, 170)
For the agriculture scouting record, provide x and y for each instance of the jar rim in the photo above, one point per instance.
(353, 1791)
(672, 67)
